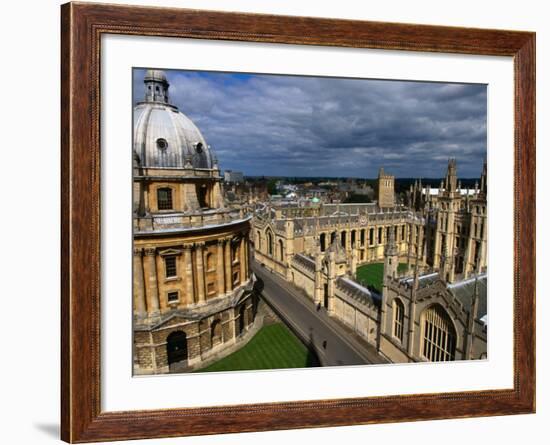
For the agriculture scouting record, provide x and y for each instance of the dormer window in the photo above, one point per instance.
(162, 144)
(198, 147)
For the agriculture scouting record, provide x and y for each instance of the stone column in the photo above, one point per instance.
(242, 260)
(246, 257)
(228, 261)
(152, 282)
(383, 306)
(147, 207)
(200, 272)
(483, 246)
(188, 278)
(409, 235)
(317, 295)
(220, 273)
(249, 257)
(437, 241)
(353, 260)
(140, 306)
(468, 267)
(420, 242)
(412, 312)
(331, 282)
(411, 330)
(217, 198)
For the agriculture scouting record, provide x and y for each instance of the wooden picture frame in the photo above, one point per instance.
(82, 26)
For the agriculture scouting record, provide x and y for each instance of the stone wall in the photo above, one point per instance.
(151, 345)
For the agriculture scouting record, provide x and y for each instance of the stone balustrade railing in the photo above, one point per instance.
(173, 221)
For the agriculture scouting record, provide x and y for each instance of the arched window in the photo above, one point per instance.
(269, 243)
(281, 250)
(216, 332)
(438, 336)
(323, 242)
(398, 319)
(164, 198)
(202, 195)
(259, 246)
(343, 239)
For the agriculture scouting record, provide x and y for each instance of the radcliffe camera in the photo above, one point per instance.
(298, 222)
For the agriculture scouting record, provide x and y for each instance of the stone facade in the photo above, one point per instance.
(192, 284)
(442, 293)
(386, 189)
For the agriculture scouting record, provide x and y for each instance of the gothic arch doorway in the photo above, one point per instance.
(176, 348)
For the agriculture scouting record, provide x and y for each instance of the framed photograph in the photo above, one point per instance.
(276, 222)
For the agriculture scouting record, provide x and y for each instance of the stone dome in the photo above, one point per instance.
(157, 75)
(164, 137)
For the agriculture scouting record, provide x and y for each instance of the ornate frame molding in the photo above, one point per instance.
(81, 27)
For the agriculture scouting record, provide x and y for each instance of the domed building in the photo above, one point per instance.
(192, 285)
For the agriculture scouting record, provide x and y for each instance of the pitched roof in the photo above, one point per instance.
(464, 291)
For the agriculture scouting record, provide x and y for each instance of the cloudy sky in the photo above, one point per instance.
(318, 126)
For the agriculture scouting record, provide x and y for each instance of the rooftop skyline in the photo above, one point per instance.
(276, 125)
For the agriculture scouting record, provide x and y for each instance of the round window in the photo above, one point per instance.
(162, 144)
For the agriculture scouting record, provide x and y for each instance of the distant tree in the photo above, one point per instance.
(272, 187)
(356, 199)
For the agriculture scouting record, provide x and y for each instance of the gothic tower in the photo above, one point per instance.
(386, 189)
(391, 257)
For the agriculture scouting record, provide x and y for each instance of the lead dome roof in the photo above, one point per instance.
(164, 137)
(155, 75)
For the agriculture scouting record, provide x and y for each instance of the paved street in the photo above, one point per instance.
(341, 348)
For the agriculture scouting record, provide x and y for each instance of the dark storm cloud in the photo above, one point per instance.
(312, 126)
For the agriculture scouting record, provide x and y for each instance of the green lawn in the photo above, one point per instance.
(273, 347)
(372, 274)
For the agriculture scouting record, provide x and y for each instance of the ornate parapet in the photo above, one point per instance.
(304, 264)
(188, 220)
(356, 295)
